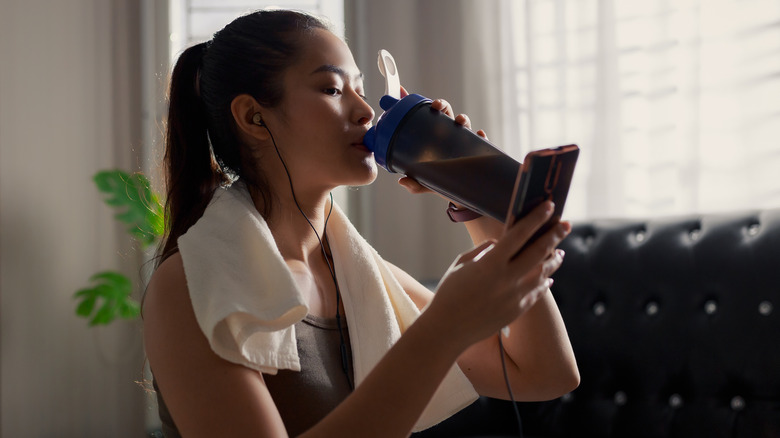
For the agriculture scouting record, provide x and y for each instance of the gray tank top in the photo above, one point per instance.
(303, 398)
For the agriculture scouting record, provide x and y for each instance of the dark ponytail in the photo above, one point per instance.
(202, 150)
(190, 171)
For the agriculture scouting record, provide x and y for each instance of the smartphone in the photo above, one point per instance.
(544, 175)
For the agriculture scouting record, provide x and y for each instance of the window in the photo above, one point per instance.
(676, 104)
(193, 21)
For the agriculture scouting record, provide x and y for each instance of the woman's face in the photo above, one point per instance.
(324, 116)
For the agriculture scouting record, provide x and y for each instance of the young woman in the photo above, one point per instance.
(276, 101)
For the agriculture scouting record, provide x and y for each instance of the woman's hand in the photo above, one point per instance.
(442, 105)
(490, 286)
(482, 229)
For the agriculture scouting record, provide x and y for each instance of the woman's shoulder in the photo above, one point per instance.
(167, 293)
(170, 272)
(171, 331)
(171, 266)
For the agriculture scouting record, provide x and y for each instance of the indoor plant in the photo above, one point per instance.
(109, 296)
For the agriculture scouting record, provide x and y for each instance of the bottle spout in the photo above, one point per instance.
(369, 140)
(378, 148)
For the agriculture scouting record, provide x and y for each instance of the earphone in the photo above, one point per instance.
(257, 119)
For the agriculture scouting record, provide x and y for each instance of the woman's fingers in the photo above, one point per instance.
(533, 296)
(519, 234)
(461, 119)
(540, 274)
(412, 186)
(526, 265)
(499, 287)
(552, 264)
(475, 253)
(443, 106)
(539, 250)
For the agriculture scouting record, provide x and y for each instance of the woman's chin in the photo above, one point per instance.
(357, 172)
(371, 173)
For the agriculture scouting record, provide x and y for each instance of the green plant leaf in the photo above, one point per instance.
(138, 206)
(113, 290)
(86, 306)
(104, 315)
(129, 309)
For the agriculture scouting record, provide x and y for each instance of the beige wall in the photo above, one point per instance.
(68, 107)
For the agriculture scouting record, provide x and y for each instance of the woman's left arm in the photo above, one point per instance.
(539, 358)
(538, 347)
(538, 355)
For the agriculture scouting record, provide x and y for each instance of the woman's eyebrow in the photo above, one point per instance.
(330, 68)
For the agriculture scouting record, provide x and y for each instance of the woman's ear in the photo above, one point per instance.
(245, 110)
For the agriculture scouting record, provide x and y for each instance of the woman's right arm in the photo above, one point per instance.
(208, 396)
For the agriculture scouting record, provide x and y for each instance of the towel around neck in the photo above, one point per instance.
(246, 300)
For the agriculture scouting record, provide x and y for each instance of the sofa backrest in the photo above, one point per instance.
(675, 324)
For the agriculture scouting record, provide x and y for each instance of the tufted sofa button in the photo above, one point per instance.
(694, 234)
(710, 307)
(651, 308)
(640, 235)
(599, 308)
(588, 239)
(765, 308)
(621, 398)
(675, 401)
(737, 403)
(753, 229)
(567, 398)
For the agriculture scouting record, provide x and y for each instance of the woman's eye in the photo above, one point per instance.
(332, 91)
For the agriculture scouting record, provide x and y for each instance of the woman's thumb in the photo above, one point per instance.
(475, 253)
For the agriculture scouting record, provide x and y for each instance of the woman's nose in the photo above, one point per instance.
(364, 113)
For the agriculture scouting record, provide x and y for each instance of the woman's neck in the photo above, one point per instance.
(298, 223)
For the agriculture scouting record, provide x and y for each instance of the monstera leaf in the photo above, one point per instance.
(138, 206)
(110, 296)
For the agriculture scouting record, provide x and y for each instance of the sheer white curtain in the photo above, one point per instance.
(675, 103)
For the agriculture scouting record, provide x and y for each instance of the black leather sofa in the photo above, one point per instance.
(675, 324)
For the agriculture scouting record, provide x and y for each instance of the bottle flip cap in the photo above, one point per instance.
(378, 138)
(389, 71)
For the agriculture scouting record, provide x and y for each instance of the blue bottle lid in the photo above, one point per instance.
(378, 137)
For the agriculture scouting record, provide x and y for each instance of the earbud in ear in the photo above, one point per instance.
(257, 119)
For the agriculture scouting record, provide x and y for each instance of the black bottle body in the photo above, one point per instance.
(432, 149)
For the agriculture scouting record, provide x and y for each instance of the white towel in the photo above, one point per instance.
(246, 301)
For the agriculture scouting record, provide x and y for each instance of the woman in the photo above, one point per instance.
(279, 99)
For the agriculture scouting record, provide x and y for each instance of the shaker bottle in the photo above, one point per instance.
(424, 144)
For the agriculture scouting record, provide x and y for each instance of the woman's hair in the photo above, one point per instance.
(202, 150)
